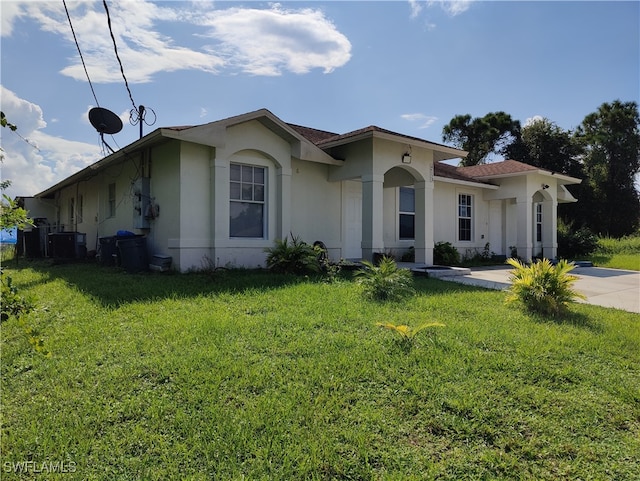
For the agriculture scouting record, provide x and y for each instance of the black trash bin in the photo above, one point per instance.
(133, 253)
(108, 250)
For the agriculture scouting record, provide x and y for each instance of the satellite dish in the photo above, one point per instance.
(105, 121)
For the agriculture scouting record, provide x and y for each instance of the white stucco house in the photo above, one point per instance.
(225, 190)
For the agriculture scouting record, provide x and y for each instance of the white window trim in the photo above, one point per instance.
(471, 218)
(402, 212)
(539, 222)
(264, 203)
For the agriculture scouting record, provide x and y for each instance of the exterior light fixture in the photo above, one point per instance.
(545, 186)
(406, 158)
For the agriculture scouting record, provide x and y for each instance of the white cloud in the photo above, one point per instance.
(259, 42)
(426, 121)
(533, 120)
(453, 7)
(11, 11)
(416, 8)
(34, 160)
(268, 42)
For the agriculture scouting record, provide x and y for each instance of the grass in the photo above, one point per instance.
(618, 253)
(249, 375)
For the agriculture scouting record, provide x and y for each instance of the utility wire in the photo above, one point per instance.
(115, 47)
(80, 52)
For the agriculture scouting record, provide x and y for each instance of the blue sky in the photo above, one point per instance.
(406, 66)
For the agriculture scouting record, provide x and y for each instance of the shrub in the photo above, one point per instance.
(543, 287)
(444, 253)
(13, 304)
(575, 243)
(296, 257)
(385, 281)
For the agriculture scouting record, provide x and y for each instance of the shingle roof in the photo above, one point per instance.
(314, 135)
(497, 169)
(447, 171)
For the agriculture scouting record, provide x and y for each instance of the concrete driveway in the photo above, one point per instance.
(603, 287)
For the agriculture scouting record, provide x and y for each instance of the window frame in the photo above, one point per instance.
(111, 200)
(258, 195)
(406, 213)
(468, 206)
(539, 221)
(72, 211)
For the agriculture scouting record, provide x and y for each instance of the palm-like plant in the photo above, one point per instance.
(295, 257)
(543, 287)
(385, 281)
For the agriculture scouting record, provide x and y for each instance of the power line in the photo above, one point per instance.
(80, 52)
(115, 47)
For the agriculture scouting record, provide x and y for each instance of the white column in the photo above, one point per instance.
(219, 200)
(525, 227)
(424, 222)
(284, 201)
(550, 229)
(372, 215)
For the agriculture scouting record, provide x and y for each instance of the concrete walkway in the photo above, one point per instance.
(603, 287)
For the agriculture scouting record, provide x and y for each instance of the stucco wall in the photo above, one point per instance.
(446, 217)
(165, 187)
(316, 213)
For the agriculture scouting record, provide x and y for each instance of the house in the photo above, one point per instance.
(222, 192)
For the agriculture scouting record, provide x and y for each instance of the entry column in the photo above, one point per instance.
(424, 223)
(550, 229)
(525, 228)
(372, 214)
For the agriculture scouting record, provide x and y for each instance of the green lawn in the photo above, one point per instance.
(618, 253)
(248, 375)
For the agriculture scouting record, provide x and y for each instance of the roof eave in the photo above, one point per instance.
(467, 183)
(564, 178)
(105, 162)
(448, 152)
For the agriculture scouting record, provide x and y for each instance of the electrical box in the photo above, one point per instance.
(141, 201)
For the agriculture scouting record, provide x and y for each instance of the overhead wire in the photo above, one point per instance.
(115, 48)
(75, 39)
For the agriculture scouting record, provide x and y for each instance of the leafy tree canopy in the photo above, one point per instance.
(543, 144)
(481, 136)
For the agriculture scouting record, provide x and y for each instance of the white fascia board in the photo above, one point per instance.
(464, 182)
(565, 179)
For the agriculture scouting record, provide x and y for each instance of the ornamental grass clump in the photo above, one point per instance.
(385, 281)
(543, 287)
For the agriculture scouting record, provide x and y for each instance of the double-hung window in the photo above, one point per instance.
(407, 212)
(465, 217)
(247, 201)
(72, 211)
(111, 200)
(538, 222)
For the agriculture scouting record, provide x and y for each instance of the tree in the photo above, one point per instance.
(481, 136)
(611, 139)
(11, 214)
(543, 144)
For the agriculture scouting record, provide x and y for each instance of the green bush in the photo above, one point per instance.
(573, 243)
(543, 287)
(296, 257)
(13, 304)
(385, 281)
(445, 254)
